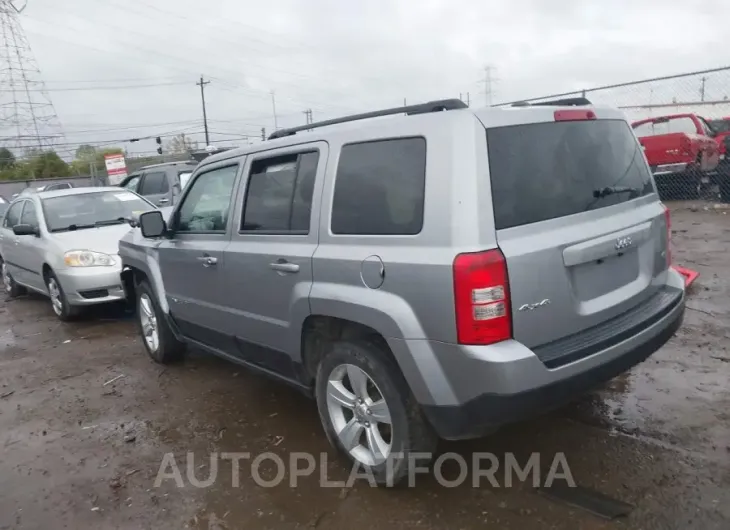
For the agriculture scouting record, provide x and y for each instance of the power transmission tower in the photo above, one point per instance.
(488, 80)
(308, 116)
(202, 84)
(28, 119)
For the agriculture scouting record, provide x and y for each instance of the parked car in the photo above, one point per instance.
(64, 243)
(161, 184)
(419, 276)
(681, 151)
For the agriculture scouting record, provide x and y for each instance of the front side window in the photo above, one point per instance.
(279, 194)
(29, 216)
(91, 210)
(154, 183)
(206, 205)
(380, 187)
(12, 218)
(132, 183)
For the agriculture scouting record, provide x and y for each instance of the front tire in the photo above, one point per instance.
(368, 412)
(157, 337)
(59, 302)
(12, 289)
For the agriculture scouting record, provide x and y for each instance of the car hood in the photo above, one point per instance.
(102, 239)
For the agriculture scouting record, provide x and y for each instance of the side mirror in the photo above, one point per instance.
(152, 224)
(26, 230)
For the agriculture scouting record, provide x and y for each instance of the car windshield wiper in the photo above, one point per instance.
(72, 227)
(117, 221)
(611, 190)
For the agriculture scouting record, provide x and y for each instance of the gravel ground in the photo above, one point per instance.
(86, 420)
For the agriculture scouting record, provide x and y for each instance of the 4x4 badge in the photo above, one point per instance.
(623, 243)
(530, 307)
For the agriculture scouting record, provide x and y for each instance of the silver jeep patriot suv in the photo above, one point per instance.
(426, 271)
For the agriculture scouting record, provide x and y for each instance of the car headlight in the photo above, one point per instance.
(88, 258)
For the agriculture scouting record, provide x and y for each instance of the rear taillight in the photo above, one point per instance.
(668, 222)
(481, 296)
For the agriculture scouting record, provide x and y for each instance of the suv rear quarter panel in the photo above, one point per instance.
(415, 300)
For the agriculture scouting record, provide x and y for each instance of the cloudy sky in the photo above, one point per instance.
(117, 69)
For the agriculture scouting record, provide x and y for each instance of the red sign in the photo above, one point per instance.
(116, 168)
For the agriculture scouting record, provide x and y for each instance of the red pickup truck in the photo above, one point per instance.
(682, 152)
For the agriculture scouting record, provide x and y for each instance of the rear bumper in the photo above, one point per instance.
(515, 384)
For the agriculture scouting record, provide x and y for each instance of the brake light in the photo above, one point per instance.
(668, 222)
(574, 115)
(481, 296)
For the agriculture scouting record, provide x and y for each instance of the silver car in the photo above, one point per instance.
(64, 244)
(432, 273)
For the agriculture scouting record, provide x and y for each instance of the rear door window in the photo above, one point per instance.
(154, 183)
(380, 187)
(543, 171)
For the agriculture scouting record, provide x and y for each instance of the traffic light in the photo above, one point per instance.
(159, 142)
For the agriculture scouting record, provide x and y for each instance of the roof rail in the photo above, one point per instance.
(567, 102)
(422, 108)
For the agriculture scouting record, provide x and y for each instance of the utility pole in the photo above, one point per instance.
(273, 104)
(308, 116)
(202, 84)
(263, 134)
(468, 102)
(702, 88)
(488, 80)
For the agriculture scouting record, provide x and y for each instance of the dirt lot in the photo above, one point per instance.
(79, 451)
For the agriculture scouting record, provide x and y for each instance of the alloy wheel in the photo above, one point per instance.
(359, 415)
(148, 320)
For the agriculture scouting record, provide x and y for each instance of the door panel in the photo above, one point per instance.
(192, 266)
(30, 250)
(10, 241)
(192, 260)
(268, 266)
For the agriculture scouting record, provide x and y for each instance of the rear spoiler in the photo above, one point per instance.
(567, 102)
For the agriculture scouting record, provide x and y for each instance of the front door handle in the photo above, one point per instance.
(208, 261)
(163, 201)
(284, 266)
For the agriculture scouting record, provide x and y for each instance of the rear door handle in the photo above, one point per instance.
(284, 266)
(208, 261)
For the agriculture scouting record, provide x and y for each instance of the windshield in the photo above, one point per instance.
(184, 178)
(546, 170)
(88, 210)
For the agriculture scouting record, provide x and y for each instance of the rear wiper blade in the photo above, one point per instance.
(605, 192)
(117, 221)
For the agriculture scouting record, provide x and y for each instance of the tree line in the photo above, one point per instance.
(40, 164)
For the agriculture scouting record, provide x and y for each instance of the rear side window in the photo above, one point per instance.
(154, 183)
(379, 188)
(543, 171)
(279, 194)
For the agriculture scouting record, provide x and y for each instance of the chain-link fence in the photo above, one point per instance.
(683, 124)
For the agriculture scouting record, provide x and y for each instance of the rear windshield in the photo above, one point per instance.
(546, 170)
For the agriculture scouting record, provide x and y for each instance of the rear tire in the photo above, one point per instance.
(12, 289)
(159, 341)
(368, 412)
